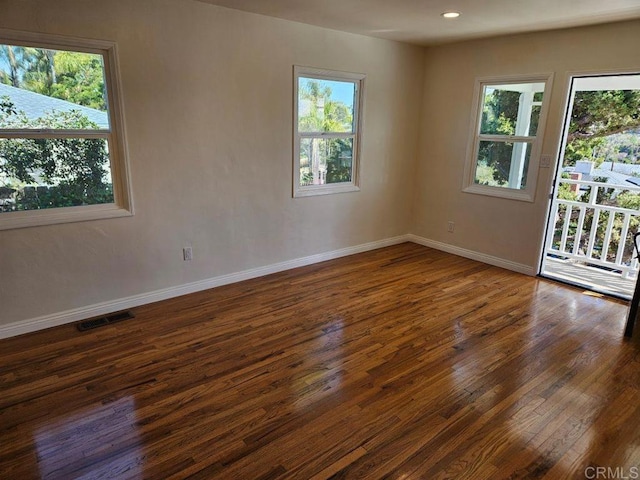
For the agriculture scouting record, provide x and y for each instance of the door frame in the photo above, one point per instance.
(567, 102)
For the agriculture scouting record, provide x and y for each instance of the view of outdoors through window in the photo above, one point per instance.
(54, 129)
(326, 129)
(596, 209)
(508, 127)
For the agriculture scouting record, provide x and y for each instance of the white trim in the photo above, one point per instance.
(52, 216)
(326, 189)
(473, 255)
(486, 137)
(502, 192)
(114, 136)
(526, 194)
(105, 308)
(567, 102)
(49, 133)
(89, 311)
(569, 92)
(55, 42)
(358, 79)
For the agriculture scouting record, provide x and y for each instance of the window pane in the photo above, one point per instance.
(50, 173)
(325, 161)
(325, 105)
(508, 109)
(53, 89)
(503, 164)
(535, 119)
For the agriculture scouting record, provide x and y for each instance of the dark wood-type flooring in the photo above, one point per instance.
(403, 363)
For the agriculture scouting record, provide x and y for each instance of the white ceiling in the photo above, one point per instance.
(419, 21)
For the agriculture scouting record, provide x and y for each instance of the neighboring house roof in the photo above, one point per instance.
(35, 105)
(615, 177)
(626, 168)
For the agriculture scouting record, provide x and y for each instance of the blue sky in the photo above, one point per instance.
(340, 91)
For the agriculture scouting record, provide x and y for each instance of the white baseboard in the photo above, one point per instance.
(82, 313)
(104, 308)
(480, 257)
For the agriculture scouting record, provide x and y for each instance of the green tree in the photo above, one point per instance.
(67, 171)
(40, 74)
(596, 117)
(72, 76)
(79, 79)
(18, 60)
(323, 114)
(499, 117)
(500, 112)
(603, 113)
(579, 149)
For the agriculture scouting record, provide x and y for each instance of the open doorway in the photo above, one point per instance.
(595, 209)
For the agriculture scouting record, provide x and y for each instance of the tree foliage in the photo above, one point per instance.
(597, 119)
(500, 112)
(598, 114)
(52, 172)
(72, 76)
(323, 114)
(499, 117)
(67, 171)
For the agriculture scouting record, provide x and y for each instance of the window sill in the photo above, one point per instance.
(313, 190)
(508, 193)
(54, 216)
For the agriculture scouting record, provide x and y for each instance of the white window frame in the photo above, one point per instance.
(526, 194)
(323, 74)
(114, 135)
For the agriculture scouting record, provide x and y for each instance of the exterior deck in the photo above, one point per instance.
(590, 239)
(591, 278)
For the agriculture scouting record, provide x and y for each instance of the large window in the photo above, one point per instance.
(503, 156)
(327, 108)
(62, 155)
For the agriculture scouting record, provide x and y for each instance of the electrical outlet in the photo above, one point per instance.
(187, 254)
(451, 227)
(545, 161)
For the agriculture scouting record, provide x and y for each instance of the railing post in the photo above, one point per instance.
(616, 262)
(565, 228)
(578, 237)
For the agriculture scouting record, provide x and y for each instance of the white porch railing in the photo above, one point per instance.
(593, 233)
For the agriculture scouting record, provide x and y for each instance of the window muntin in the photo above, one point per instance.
(326, 131)
(507, 141)
(61, 136)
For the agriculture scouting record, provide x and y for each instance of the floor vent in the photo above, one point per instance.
(106, 320)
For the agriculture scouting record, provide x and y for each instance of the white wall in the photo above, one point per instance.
(208, 107)
(506, 229)
(208, 100)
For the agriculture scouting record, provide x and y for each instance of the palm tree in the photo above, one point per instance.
(18, 60)
(321, 115)
(41, 73)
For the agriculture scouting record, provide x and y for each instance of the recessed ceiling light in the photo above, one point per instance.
(451, 14)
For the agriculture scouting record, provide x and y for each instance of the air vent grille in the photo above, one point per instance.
(106, 320)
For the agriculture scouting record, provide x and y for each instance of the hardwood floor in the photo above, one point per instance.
(404, 363)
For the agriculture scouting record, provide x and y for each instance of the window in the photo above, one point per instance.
(327, 107)
(62, 155)
(503, 155)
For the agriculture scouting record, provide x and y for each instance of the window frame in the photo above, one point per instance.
(122, 205)
(526, 194)
(358, 80)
